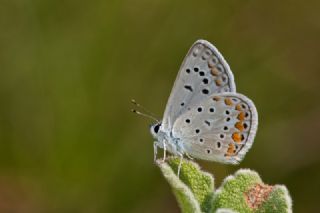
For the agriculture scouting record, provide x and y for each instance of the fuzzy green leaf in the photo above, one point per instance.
(231, 193)
(193, 189)
(279, 201)
(245, 192)
(225, 211)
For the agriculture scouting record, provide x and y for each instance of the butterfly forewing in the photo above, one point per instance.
(220, 128)
(203, 72)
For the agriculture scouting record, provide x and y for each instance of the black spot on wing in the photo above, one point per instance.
(207, 122)
(188, 87)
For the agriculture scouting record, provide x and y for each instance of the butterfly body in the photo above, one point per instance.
(165, 140)
(205, 117)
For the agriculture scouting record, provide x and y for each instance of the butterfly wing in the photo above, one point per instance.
(220, 128)
(202, 73)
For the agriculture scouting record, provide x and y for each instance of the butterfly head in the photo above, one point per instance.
(155, 129)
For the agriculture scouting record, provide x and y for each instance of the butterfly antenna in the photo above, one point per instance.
(145, 115)
(144, 109)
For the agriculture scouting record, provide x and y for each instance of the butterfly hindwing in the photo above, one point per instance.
(220, 128)
(203, 72)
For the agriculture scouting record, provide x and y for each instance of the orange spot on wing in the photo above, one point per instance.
(239, 125)
(241, 116)
(214, 71)
(211, 65)
(216, 98)
(236, 137)
(231, 149)
(228, 101)
(238, 107)
(218, 82)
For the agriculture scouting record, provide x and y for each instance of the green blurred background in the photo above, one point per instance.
(68, 69)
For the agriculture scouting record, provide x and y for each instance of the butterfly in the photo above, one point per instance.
(205, 118)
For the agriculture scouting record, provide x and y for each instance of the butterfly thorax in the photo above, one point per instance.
(165, 140)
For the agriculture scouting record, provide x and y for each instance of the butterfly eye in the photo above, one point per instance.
(156, 128)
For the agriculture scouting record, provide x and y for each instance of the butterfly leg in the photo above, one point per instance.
(180, 164)
(157, 144)
(164, 151)
(155, 150)
(191, 158)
